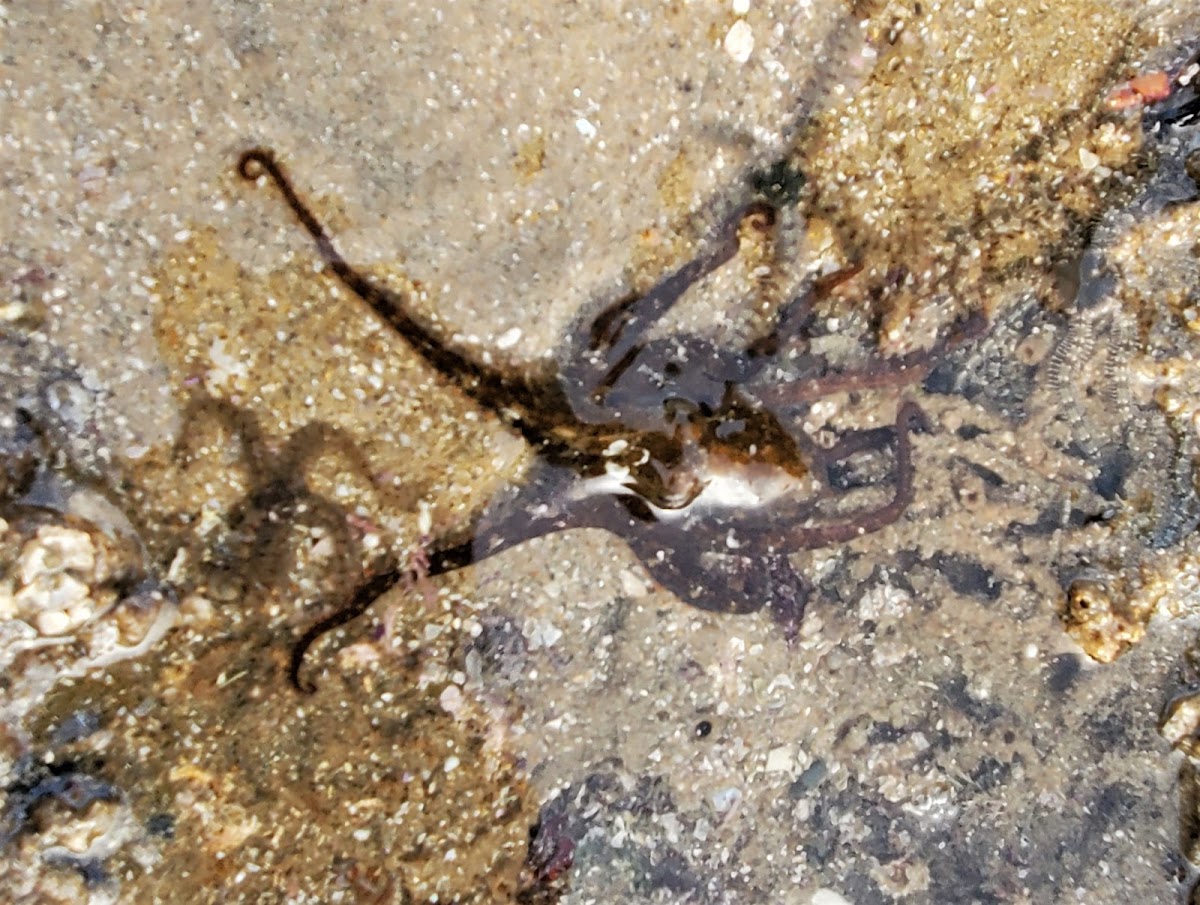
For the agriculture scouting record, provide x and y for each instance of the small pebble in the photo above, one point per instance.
(781, 759)
(56, 549)
(739, 41)
(8, 605)
(451, 700)
(829, 897)
(51, 592)
(54, 622)
(509, 338)
(726, 798)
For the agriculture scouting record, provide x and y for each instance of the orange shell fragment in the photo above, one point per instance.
(1146, 88)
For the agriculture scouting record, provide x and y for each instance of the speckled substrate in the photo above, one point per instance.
(935, 735)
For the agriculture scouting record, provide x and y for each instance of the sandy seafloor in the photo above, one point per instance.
(205, 440)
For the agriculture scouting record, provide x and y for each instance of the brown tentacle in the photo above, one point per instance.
(618, 332)
(793, 317)
(364, 595)
(515, 528)
(884, 372)
(909, 418)
(516, 400)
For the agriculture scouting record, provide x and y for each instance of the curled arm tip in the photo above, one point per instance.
(255, 162)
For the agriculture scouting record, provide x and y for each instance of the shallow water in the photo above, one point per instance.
(968, 710)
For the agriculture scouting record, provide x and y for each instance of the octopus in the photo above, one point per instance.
(678, 445)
